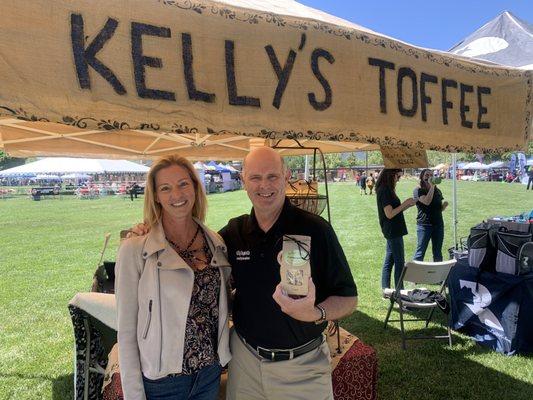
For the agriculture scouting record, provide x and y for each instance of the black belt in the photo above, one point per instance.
(283, 354)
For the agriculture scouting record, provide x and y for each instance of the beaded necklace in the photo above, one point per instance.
(190, 255)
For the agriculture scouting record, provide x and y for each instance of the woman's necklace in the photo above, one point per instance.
(188, 254)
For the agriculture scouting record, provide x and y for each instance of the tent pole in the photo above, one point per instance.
(454, 197)
(306, 168)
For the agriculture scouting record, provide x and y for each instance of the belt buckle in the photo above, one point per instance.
(266, 351)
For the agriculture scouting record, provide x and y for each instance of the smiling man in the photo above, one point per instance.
(278, 348)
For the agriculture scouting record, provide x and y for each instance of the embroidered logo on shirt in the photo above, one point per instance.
(241, 255)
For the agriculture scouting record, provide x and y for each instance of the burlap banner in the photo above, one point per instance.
(404, 157)
(209, 68)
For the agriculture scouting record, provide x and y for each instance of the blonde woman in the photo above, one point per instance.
(171, 293)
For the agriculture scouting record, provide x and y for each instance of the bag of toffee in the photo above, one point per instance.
(295, 267)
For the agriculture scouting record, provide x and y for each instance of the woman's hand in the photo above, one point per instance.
(409, 202)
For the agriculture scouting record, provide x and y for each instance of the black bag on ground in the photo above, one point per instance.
(508, 245)
(524, 260)
(481, 247)
(104, 278)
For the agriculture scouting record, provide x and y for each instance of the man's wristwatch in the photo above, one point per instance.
(323, 317)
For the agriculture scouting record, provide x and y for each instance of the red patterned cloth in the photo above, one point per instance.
(112, 387)
(355, 376)
(113, 390)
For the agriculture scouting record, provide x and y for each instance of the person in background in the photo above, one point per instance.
(530, 177)
(171, 294)
(429, 221)
(392, 222)
(370, 181)
(134, 190)
(362, 183)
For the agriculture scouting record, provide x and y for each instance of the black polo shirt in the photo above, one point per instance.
(255, 270)
(394, 227)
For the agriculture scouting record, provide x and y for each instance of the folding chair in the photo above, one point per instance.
(419, 272)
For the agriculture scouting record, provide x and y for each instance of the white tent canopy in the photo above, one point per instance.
(440, 166)
(65, 165)
(497, 164)
(476, 165)
(506, 40)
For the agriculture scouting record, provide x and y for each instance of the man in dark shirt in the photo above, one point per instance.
(133, 190)
(362, 184)
(277, 344)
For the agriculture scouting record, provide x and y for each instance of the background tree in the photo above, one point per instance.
(9, 162)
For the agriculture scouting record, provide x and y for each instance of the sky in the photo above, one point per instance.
(434, 24)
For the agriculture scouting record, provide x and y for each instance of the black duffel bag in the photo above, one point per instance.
(508, 246)
(482, 247)
(525, 259)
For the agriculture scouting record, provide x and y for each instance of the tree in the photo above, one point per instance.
(295, 162)
(9, 162)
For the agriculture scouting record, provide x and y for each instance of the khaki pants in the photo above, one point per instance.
(307, 377)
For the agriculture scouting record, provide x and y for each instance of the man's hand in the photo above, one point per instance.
(138, 230)
(302, 309)
(444, 205)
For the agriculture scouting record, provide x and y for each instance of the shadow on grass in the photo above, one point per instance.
(62, 386)
(430, 369)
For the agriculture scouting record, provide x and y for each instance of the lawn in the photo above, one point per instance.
(49, 251)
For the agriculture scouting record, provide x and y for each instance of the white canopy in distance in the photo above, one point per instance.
(73, 166)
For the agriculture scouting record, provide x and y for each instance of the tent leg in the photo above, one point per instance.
(454, 199)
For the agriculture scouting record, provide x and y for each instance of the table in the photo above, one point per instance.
(94, 318)
(492, 308)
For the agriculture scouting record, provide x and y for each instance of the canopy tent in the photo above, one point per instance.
(200, 166)
(497, 164)
(144, 78)
(64, 165)
(440, 166)
(506, 40)
(224, 168)
(229, 167)
(46, 177)
(21, 138)
(213, 166)
(475, 165)
(75, 175)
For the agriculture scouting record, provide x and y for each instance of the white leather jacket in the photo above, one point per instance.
(153, 291)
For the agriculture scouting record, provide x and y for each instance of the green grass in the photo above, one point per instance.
(49, 250)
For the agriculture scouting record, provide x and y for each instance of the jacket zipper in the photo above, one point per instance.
(225, 326)
(160, 321)
(149, 320)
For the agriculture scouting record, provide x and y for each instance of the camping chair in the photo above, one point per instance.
(419, 272)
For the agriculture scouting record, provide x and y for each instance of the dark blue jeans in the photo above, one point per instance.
(424, 233)
(202, 385)
(394, 255)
